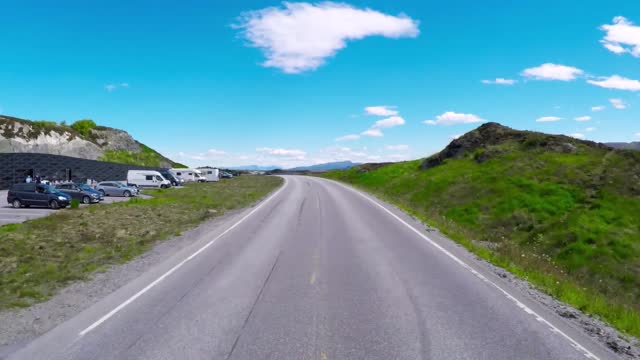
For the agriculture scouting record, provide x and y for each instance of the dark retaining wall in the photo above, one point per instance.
(14, 168)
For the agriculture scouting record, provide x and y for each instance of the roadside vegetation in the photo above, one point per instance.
(561, 213)
(40, 256)
(145, 157)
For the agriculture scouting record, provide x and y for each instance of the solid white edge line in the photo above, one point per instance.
(176, 267)
(522, 306)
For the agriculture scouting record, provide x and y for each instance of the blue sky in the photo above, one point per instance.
(264, 82)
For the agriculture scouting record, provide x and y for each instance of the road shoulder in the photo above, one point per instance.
(19, 326)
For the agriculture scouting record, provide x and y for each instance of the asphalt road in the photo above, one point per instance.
(317, 271)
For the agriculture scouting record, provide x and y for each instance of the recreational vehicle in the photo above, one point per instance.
(147, 178)
(210, 174)
(189, 175)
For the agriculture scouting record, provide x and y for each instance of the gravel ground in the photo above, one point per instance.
(22, 325)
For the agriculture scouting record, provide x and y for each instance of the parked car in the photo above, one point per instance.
(31, 194)
(147, 178)
(84, 195)
(175, 180)
(115, 188)
(226, 175)
(86, 187)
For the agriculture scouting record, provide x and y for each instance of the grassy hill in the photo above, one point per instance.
(562, 212)
(83, 139)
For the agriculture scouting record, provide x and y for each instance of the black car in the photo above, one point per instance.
(31, 194)
(172, 178)
(83, 193)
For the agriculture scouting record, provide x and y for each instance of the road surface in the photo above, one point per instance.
(317, 271)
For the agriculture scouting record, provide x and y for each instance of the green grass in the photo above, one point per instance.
(83, 127)
(40, 256)
(568, 222)
(146, 157)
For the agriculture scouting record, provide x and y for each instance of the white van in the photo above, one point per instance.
(210, 174)
(186, 174)
(198, 175)
(147, 178)
(189, 175)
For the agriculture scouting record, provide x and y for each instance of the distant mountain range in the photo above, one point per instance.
(254, 168)
(621, 145)
(339, 165)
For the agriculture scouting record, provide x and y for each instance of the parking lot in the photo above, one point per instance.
(9, 215)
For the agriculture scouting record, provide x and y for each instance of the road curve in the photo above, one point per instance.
(317, 271)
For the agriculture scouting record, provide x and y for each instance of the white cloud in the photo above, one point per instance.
(381, 110)
(550, 71)
(211, 154)
(590, 129)
(622, 37)
(455, 137)
(282, 152)
(577, 135)
(299, 37)
(398, 157)
(397, 147)
(638, 135)
(216, 152)
(500, 81)
(616, 82)
(548, 119)
(618, 104)
(597, 108)
(450, 118)
(388, 122)
(348, 137)
(583, 118)
(112, 87)
(373, 133)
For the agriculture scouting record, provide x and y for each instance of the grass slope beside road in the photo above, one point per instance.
(569, 222)
(42, 255)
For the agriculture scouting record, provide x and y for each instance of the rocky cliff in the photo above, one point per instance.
(89, 142)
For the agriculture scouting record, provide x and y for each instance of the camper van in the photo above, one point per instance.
(147, 178)
(210, 174)
(189, 175)
(185, 174)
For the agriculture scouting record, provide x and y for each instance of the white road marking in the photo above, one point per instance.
(179, 265)
(522, 306)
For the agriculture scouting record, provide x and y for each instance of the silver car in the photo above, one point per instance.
(114, 188)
